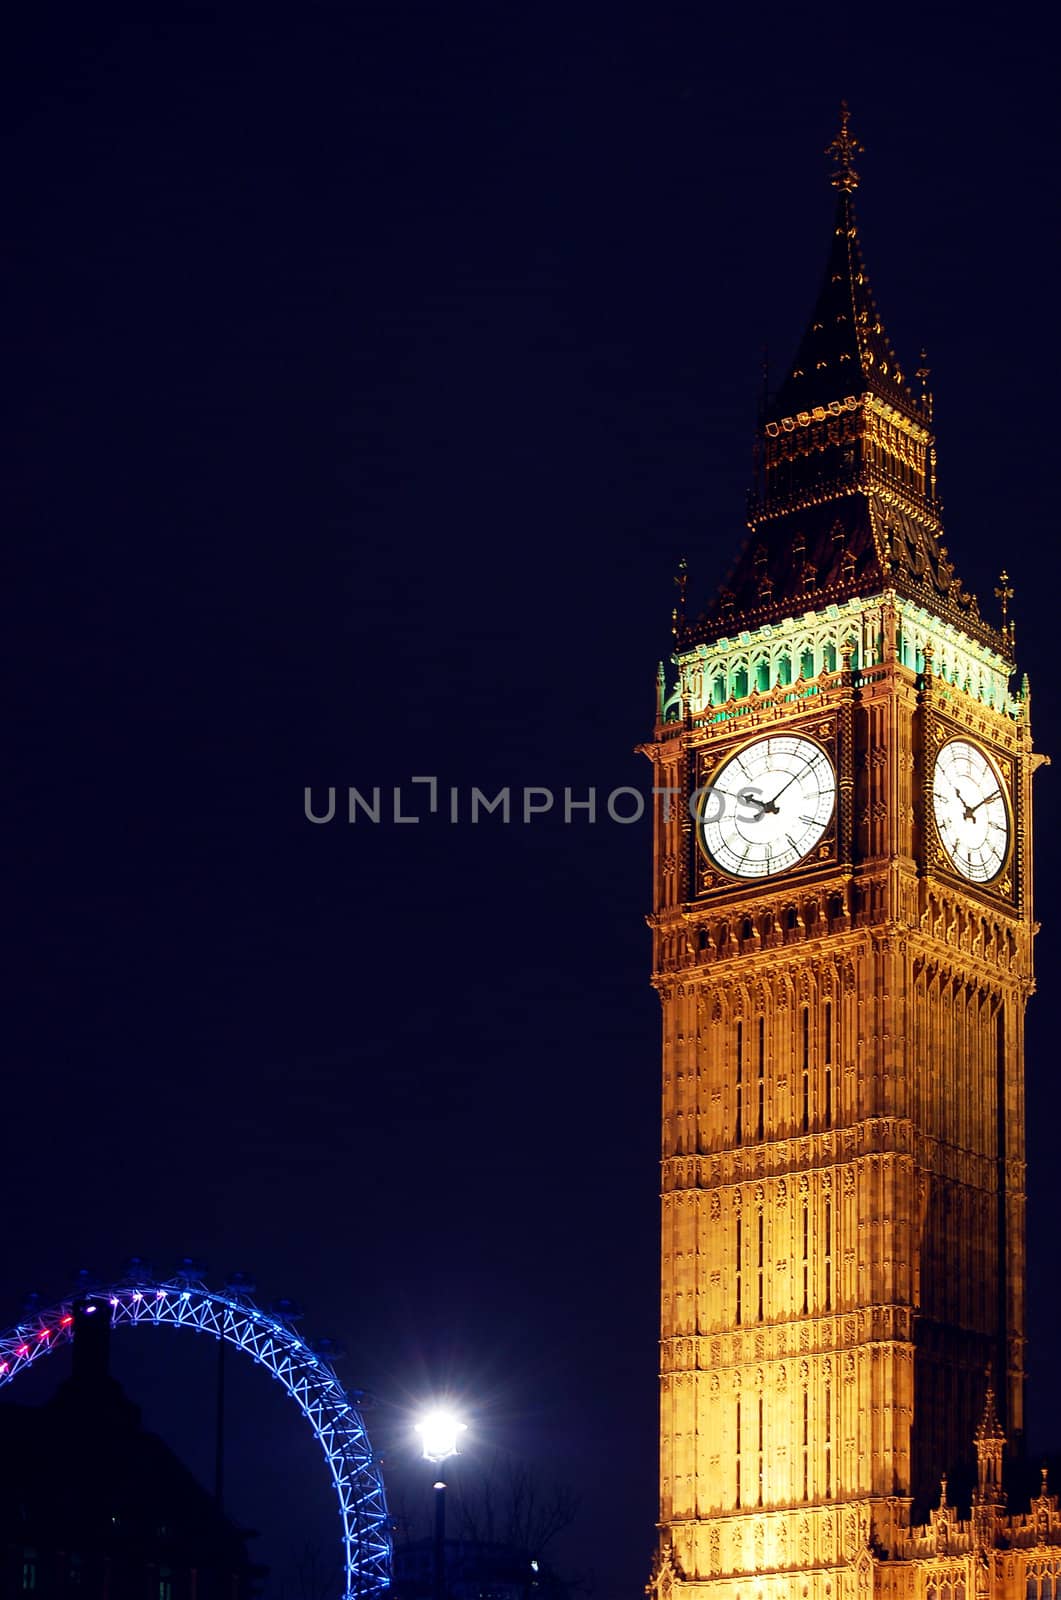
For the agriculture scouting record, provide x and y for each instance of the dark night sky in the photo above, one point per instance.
(368, 372)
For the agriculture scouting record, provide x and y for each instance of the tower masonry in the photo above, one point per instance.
(842, 931)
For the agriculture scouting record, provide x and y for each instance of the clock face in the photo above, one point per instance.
(972, 817)
(767, 806)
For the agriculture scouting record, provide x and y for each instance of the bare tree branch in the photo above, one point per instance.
(509, 1505)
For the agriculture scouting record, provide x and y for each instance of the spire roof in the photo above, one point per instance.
(845, 502)
(845, 349)
(989, 1426)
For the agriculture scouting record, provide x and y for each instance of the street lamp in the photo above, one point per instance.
(440, 1432)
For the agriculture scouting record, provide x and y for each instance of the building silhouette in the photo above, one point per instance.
(843, 939)
(93, 1505)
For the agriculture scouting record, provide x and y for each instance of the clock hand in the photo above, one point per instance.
(771, 805)
(983, 802)
(961, 802)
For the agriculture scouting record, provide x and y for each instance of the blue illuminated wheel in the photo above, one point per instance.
(305, 1373)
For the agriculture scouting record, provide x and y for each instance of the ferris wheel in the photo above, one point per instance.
(270, 1338)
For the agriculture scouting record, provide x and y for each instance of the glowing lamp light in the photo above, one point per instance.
(440, 1433)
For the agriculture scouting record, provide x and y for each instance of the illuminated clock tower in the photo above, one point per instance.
(843, 951)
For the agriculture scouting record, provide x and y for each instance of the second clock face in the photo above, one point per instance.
(972, 818)
(768, 806)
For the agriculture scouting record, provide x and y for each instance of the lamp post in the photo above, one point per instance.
(439, 1433)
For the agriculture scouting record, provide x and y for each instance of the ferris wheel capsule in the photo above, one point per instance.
(241, 1285)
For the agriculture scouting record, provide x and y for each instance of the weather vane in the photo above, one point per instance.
(1004, 594)
(844, 148)
(924, 372)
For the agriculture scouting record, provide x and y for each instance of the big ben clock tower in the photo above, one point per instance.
(843, 951)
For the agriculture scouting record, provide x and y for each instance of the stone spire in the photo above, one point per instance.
(990, 1447)
(845, 502)
(845, 349)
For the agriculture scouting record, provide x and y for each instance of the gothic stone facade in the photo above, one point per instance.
(843, 1118)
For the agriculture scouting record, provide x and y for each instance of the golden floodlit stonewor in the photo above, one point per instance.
(843, 936)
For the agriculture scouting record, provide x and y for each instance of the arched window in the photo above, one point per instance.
(806, 1289)
(806, 1073)
(806, 1445)
(740, 682)
(762, 675)
(806, 662)
(829, 658)
(784, 670)
(718, 689)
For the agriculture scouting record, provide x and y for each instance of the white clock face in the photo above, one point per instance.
(767, 806)
(972, 818)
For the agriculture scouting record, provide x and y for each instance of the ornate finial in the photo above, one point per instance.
(924, 372)
(844, 148)
(1044, 1471)
(1004, 594)
(989, 1426)
(681, 580)
(943, 1492)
